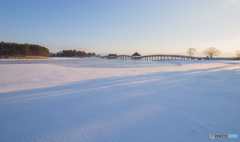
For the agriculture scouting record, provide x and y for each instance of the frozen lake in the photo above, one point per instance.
(94, 100)
(91, 63)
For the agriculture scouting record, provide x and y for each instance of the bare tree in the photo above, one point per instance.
(191, 51)
(238, 53)
(211, 51)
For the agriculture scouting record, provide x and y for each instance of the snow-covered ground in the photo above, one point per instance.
(52, 102)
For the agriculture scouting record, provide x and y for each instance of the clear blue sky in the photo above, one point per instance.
(123, 26)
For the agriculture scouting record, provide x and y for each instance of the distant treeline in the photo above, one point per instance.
(11, 49)
(74, 53)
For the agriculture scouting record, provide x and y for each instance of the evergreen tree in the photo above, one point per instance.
(15, 49)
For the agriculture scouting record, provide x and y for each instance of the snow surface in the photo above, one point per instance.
(51, 102)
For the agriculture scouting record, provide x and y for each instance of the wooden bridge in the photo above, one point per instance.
(162, 57)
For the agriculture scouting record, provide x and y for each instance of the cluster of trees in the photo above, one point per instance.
(74, 53)
(11, 49)
(210, 52)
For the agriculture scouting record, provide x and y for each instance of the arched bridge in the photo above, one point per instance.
(162, 57)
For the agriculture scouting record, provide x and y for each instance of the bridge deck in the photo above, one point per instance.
(160, 57)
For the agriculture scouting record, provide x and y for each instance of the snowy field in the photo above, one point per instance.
(93, 100)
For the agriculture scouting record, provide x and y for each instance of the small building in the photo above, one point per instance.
(136, 54)
(112, 56)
